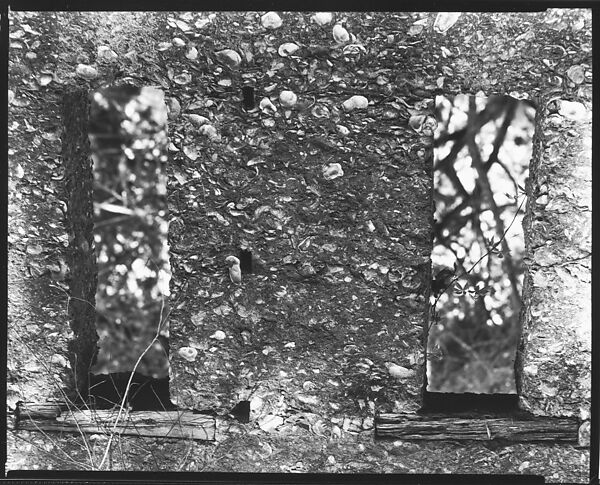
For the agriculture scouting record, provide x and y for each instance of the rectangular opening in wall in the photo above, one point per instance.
(248, 98)
(128, 138)
(483, 147)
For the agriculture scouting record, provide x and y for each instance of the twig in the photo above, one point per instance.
(474, 151)
(125, 394)
(456, 278)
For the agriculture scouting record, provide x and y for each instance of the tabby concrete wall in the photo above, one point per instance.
(342, 248)
(351, 250)
(331, 205)
(371, 225)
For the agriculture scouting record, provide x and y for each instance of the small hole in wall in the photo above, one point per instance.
(248, 98)
(241, 411)
(245, 260)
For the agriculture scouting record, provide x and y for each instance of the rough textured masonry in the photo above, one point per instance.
(79, 179)
(326, 202)
(331, 207)
(555, 367)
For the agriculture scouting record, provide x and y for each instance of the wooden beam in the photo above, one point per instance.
(440, 427)
(58, 417)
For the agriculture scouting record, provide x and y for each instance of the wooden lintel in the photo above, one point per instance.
(56, 417)
(438, 427)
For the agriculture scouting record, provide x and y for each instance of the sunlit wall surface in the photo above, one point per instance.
(481, 158)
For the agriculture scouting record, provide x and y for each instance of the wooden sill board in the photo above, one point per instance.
(512, 429)
(185, 424)
(57, 417)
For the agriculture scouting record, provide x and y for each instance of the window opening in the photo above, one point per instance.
(482, 151)
(128, 140)
(145, 393)
(468, 402)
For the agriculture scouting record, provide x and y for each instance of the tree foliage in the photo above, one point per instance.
(482, 150)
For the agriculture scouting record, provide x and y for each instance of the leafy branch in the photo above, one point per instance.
(480, 292)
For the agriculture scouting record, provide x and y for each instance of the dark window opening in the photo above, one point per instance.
(145, 393)
(481, 164)
(472, 403)
(248, 98)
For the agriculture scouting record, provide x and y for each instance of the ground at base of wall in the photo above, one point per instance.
(245, 449)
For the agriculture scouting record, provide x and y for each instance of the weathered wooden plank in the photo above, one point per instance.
(438, 427)
(58, 417)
